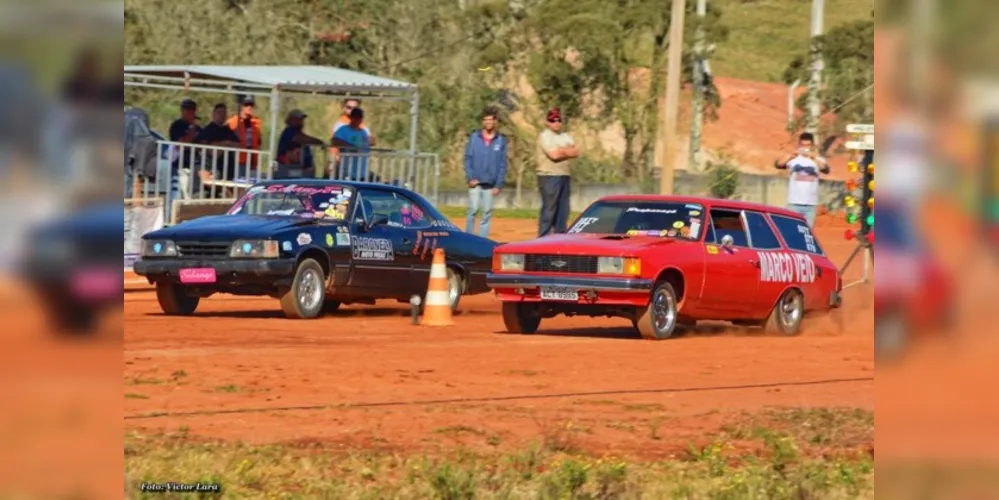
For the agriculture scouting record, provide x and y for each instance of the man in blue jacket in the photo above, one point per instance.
(485, 168)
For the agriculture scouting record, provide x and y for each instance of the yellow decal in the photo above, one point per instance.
(329, 240)
(713, 250)
(632, 232)
(663, 233)
(678, 224)
(694, 213)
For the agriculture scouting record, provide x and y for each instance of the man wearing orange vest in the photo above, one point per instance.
(247, 128)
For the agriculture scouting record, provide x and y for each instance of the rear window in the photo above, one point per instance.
(661, 219)
(797, 235)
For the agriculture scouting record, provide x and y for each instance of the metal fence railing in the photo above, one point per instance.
(195, 175)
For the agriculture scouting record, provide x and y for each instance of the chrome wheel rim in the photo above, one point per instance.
(453, 287)
(663, 311)
(310, 290)
(790, 309)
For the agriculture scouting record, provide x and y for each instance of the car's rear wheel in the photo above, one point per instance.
(659, 319)
(787, 314)
(307, 294)
(519, 317)
(174, 299)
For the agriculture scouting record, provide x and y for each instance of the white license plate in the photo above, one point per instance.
(559, 293)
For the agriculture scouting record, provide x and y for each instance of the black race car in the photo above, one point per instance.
(315, 245)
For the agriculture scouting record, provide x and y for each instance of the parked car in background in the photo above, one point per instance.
(315, 245)
(666, 261)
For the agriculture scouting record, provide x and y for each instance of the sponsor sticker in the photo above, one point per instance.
(286, 246)
(582, 223)
(678, 224)
(372, 249)
(712, 249)
(342, 239)
(303, 239)
(329, 239)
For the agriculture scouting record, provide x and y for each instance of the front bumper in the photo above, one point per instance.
(494, 280)
(233, 271)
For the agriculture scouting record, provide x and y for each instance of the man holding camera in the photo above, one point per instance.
(804, 167)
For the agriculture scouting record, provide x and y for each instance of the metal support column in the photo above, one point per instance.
(273, 139)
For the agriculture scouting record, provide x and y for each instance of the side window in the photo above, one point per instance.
(412, 215)
(762, 235)
(380, 202)
(797, 235)
(727, 222)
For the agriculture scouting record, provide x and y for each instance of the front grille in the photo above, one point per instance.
(575, 264)
(203, 250)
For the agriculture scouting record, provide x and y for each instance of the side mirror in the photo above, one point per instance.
(377, 220)
(727, 241)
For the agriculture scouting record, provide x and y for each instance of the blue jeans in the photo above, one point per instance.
(479, 199)
(807, 210)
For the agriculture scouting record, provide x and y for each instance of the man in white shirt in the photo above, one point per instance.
(556, 150)
(804, 167)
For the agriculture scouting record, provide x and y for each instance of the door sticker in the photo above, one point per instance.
(372, 249)
(712, 249)
(342, 239)
(426, 242)
(304, 239)
(809, 239)
(786, 267)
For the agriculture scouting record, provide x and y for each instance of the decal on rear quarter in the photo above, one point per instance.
(786, 267)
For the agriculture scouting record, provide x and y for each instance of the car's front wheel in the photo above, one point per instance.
(307, 294)
(455, 287)
(787, 314)
(659, 319)
(519, 317)
(174, 299)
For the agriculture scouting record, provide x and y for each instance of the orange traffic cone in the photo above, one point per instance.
(437, 311)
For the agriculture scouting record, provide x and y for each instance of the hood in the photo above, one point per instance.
(229, 227)
(590, 244)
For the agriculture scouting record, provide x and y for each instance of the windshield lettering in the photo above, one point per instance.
(661, 219)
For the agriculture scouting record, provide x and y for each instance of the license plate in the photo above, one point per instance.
(197, 275)
(559, 293)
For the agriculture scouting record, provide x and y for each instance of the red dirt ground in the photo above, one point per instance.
(364, 376)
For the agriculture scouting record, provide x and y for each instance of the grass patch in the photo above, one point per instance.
(277, 471)
(230, 388)
(132, 395)
(816, 427)
(458, 430)
(766, 34)
(144, 381)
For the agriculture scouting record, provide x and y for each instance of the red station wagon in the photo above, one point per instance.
(668, 261)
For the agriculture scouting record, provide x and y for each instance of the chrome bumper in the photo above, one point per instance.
(582, 283)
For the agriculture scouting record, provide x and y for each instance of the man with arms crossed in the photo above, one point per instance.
(804, 167)
(556, 150)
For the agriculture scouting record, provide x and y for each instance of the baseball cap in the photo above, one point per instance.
(554, 115)
(357, 113)
(188, 104)
(296, 113)
(248, 100)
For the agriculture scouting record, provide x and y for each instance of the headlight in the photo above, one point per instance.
(257, 249)
(158, 248)
(510, 262)
(619, 265)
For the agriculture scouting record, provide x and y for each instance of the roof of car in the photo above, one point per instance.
(703, 200)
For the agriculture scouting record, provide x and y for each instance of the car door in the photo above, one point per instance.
(731, 276)
(378, 258)
(421, 239)
(776, 267)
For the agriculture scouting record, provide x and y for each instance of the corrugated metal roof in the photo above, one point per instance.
(320, 78)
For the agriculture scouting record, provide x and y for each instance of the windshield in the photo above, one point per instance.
(651, 218)
(313, 202)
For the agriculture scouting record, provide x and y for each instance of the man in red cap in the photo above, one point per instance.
(556, 150)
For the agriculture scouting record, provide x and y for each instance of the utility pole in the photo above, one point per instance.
(697, 113)
(668, 153)
(815, 79)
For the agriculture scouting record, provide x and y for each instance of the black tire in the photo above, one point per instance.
(519, 317)
(659, 319)
(307, 294)
(330, 306)
(174, 299)
(786, 316)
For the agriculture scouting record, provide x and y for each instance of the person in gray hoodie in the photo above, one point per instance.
(485, 169)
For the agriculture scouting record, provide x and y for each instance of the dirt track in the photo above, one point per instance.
(365, 377)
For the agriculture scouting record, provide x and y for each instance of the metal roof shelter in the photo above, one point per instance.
(276, 81)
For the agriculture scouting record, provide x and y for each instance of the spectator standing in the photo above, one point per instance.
(556, 151)
(185, 130)
(353, 140)
(804, 166)
(217, 133)
(294, 133)
(349, 105)
(485, 170)
(247, 128)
